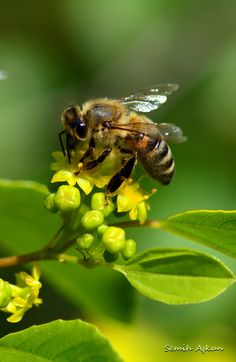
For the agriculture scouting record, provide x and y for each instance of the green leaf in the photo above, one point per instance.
(59, 341)
(177, 276)
(25, 226)
(213, 228)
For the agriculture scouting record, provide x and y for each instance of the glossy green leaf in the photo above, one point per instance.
(59, 341)
(213, 228)
(177, 276)
(25, 226)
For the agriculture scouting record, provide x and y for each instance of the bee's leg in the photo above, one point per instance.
(61, 142)
(103, 155)
(123, 174)
(70, 146)
(89, 151)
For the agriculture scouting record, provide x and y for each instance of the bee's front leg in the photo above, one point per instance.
(71, 144)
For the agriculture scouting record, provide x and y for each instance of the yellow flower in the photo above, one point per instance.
(85, 179)
(24, 295)
(130, 197)
(133, 199)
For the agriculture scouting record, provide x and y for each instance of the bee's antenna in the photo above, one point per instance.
(61, 143)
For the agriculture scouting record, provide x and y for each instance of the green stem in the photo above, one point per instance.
(63, 239)
(50, 245)
(66, 239)
(131, 224)
(38, 255)
(51, 251)
(69, 232)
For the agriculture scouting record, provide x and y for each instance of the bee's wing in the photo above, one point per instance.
(167, 131)
(149, 99)
(171, 132)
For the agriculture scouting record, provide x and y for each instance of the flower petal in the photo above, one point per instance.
(86, 184)
(64, 176)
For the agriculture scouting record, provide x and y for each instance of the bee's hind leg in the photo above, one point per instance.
(124, 173)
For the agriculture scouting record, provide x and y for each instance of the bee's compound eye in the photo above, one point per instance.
(80, 128)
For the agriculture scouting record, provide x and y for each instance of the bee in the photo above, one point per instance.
(118, 124)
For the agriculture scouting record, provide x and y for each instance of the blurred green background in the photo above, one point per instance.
(60, 52)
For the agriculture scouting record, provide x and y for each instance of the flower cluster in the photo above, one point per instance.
(95, 239)
(131, 197)
(17, 299)
(87, 213)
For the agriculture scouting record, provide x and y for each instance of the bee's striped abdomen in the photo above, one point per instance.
(158, 162)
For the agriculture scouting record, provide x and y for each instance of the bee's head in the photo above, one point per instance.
(73, 123)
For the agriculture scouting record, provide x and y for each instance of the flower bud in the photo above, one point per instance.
(67, 198)
(50, 204)
(101, 229)
(99, 202)
(92, 219)
(114, 239)
(5, 293)
(85, 241)
(129, 249)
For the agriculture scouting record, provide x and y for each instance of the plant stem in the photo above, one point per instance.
(36, 256)
(53, 241)
(52, 252)
(21, 259)
(149, 223)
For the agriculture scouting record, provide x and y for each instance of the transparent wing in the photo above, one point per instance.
(171, 132)
(149, 129)
(149, 99)
(168, 131)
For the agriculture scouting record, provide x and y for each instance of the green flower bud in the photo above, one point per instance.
(129, 249)
(114, 239)
(99, 202)
(92, 219)
(5, 293)
(85, 241)
(50, 204)
(67, 198)
(101, 229)
(108, 209)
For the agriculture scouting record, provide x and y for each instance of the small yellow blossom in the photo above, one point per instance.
(133, 199)
(24, 295)
(85, 179)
